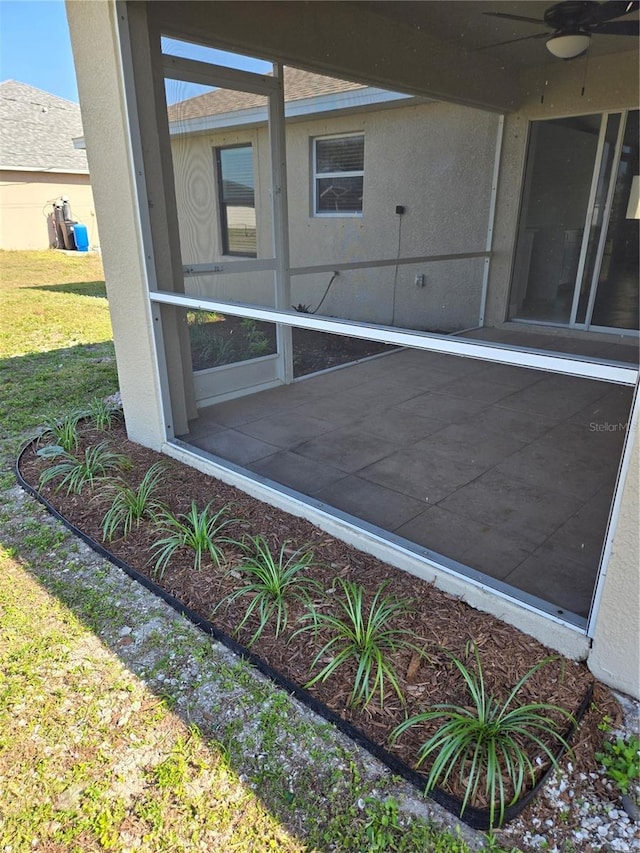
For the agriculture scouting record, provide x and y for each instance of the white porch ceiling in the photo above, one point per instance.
(465, 24)
(432, 48)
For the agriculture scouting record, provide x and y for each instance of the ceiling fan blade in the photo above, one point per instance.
(610, 10)
(511, 41)
(513, 17)
(618, 28)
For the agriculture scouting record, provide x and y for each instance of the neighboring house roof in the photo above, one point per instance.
(298, 85)
(305, 95)
(37, 131)
(238, 195)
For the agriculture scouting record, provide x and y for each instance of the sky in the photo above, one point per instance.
(35, 48)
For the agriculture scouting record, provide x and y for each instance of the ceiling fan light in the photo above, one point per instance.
(568, 46)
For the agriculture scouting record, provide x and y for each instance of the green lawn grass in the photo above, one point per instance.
(91, 755)
(56, 350)
(51, 301)
(91, 759)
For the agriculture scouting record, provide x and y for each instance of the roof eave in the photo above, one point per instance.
(351, 100)
(4, 167)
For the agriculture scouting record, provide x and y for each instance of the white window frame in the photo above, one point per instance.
(359, 173)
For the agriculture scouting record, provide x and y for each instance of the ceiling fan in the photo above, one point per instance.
(574, 21)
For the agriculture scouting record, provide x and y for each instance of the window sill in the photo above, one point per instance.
(341, 215)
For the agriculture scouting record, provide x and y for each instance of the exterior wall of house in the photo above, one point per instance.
(26, 200)
(110, 162)
(614, 654)
(434, 159)
(198, 213)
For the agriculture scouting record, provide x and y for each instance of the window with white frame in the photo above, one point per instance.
(338, 175)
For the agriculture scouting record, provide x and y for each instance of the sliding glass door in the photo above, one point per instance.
(615, 302)
(576, 260)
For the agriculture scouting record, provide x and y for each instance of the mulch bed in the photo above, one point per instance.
(437, 621)
(312, 351)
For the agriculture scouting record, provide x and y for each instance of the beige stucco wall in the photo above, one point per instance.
(198, 213)
(110, 162)
(434, 159)
(26, 199)
(615, 655)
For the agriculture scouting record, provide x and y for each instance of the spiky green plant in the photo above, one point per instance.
(366, 635)
(197, 531)
(272, 582)
(103, 413)
(218, 351)
(253, 342)
(97, 463)
(130, 506)
(63, 432)
(489, 743)
(209, 347)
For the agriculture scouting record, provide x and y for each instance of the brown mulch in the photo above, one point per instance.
(438, 622)
(312, 351)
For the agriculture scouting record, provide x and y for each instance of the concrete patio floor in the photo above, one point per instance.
(508, 471)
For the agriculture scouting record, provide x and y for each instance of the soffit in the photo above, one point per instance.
(433, 48)
(341, 39)
(465, 24)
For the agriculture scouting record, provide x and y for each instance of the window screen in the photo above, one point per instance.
(236, 190)
(339, 174)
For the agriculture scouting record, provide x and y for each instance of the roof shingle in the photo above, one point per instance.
(37, 130)
(298, 85)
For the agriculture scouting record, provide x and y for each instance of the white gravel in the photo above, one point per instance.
(598, 826)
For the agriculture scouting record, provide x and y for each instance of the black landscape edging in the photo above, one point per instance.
(476, 818)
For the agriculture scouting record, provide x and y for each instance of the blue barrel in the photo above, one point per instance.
(81, 237)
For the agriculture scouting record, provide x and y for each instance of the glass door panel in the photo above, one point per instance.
(560, 166)
(616, 303)
(599, 213)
